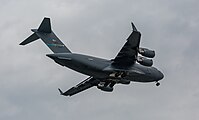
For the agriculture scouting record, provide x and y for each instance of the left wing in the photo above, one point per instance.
(88, 83)
(128, 54)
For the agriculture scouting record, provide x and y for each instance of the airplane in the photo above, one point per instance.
(126, 67)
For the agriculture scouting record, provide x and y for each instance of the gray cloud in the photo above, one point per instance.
(29, 80)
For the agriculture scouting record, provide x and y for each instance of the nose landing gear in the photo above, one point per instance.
(157, 83)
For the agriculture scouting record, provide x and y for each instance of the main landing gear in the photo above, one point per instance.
(118, 74)
(157, 83)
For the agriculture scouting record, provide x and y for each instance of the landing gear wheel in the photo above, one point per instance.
(157, 84)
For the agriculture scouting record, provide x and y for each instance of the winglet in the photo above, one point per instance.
(133, 27)
(61, 93)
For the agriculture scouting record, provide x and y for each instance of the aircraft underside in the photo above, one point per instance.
(127, 66)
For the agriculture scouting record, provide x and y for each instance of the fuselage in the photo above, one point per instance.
(127, 66)
(103, 69)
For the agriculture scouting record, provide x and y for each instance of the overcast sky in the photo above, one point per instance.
(29, 80)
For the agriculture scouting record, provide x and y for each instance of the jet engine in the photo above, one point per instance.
(105, 88)
(144, 61)
(124, 81)
(146, 52)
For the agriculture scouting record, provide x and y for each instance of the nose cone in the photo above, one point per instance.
(160, 75)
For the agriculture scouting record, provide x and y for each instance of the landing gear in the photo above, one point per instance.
(112, 84)
(119, 74)
(124, 74)
(157, 83)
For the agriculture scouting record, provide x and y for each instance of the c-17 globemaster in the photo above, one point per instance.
(126, 67)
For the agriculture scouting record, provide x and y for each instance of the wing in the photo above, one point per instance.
(128, 54)
(88, 83)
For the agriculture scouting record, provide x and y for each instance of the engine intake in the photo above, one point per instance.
(146, 52)
(144, 61)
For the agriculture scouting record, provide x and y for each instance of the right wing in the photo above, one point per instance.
(128, 54)
(88, 83)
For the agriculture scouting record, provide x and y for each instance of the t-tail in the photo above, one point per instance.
(48, 37)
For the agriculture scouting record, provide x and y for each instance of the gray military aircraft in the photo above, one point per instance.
(103, 73)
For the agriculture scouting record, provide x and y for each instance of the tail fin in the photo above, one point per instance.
(45, 26)
(48, 37)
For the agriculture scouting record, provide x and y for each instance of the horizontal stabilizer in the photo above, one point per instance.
(30, 39)
(45, 26)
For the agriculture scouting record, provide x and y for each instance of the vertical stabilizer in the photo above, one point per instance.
(45, 26)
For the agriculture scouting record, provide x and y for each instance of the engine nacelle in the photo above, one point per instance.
(124, 81)
(146, 52)
(144, 61)
(105, 88)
